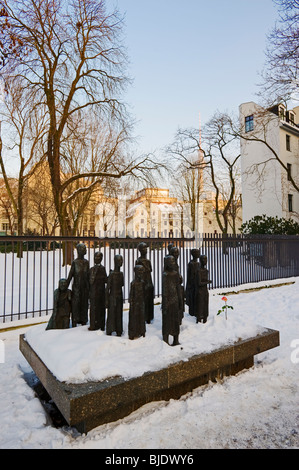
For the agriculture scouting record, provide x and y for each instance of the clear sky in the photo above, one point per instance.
(191, 58)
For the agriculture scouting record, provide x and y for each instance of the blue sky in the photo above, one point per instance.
(191, 58)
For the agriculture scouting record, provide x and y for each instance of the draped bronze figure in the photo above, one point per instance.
(79, 273)
(97, 291)
(148, 283)
(115, 298)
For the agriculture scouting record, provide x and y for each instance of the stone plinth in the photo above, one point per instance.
(85, 406)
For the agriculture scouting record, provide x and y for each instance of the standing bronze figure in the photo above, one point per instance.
(191, 287)
(97, 290)
(115, 298)
(175, 252)
(169, 248)
(136, 327)
(62, 306)
(202, 293)
(79, 273)
(148, 283)
(171, 301)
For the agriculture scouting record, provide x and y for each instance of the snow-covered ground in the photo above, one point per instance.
(257, 408)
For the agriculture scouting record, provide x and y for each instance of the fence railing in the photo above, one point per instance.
(30, 267)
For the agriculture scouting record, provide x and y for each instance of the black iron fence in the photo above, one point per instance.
(30, 267)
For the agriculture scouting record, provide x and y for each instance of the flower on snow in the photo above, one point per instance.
(224, 307)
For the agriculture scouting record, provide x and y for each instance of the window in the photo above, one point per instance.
(281, 113)
(292, 118)
(289, 168)
(288, 142)
(249, 123)
(290, 202)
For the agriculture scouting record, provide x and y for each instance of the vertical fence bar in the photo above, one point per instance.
(20, 280)
(12, 280)
(54, 267)
(40, 276)
(47, 277)
(34, 277)
(26, 278)
(245, 259)
(211, 245)
(4, 292)
(59, 259)
(233, 265)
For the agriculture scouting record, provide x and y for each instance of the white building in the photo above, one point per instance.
(152, 212)
(269, 160)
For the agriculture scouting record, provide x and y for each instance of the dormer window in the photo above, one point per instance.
(281, 112)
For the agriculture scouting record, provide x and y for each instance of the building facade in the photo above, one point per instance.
(269, 161)
(152, 212)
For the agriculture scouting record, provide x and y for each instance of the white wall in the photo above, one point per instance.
(261, 185)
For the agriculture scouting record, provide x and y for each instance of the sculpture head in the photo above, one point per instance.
(62, 284)
(142, 248)
(118, 261)
(203, 260)
(169, 246)
(81, 249)
(170, 263)
(195, 253)
(139, 272)
(175, 252)
(98, 256)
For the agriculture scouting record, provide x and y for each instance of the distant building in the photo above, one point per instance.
(153, 212)
(150, 212)
(266, 185)
(39, 214)
(8, 219)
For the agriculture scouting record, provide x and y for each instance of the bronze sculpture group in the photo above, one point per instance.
(93, 289)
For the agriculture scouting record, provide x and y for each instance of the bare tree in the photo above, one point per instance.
(223, 151)
(218, 156)
(24, 127)
(70, 56)
(6, 207)
(281, 80)
(40, 213)
(187, 176)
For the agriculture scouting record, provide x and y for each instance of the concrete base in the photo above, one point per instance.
(88, 405)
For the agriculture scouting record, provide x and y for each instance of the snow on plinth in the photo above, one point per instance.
(77, 355)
